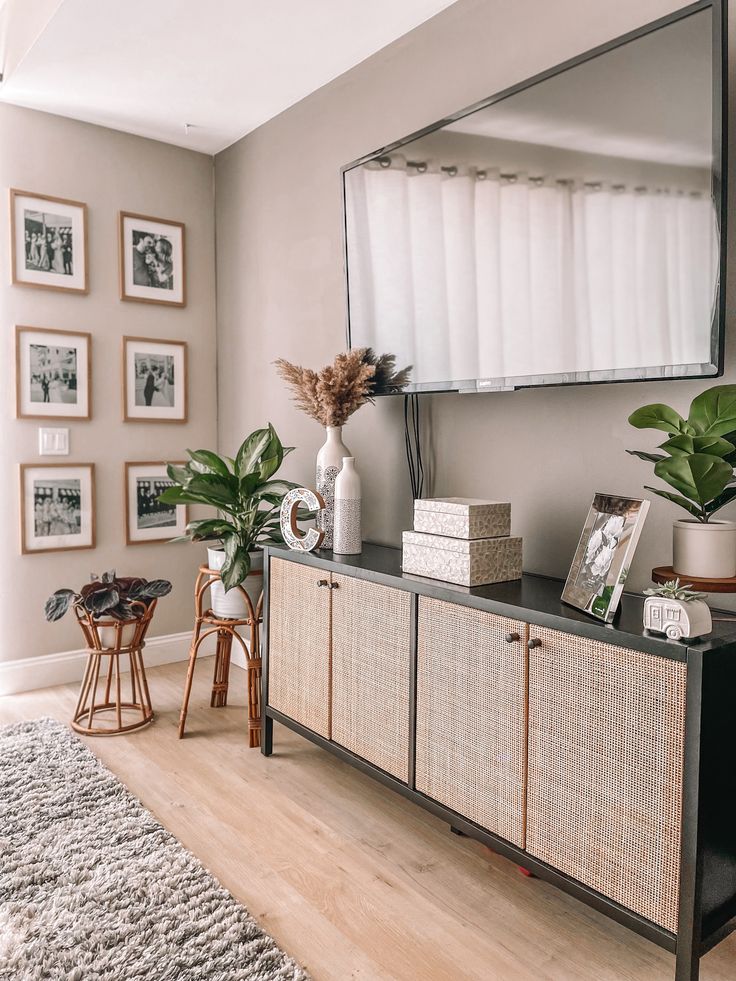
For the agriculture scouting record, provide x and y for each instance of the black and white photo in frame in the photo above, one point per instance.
(152, 260)
(52, 373)
(604, 554)
(48, 242)
(57, 507)
(146, 518)
(154, 380)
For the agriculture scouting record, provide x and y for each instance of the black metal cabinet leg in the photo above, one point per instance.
(687, 965)
(267, 736)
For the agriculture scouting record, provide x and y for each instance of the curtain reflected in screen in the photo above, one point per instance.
(567, 232)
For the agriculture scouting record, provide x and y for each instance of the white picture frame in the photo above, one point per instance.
(152, 260)
(154, 380)
(48, 242)
(57, 507)
(53, 370)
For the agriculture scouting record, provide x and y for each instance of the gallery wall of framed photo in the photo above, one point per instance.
(108, 315)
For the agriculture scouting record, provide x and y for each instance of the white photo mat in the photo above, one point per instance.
(53, 498)
(174, 233)
(23, 203)
(135, 530)
(75, 405)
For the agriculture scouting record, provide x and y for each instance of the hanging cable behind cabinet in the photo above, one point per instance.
(413, 437)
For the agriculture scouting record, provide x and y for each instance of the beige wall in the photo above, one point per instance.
(280, 289)
(109, 171)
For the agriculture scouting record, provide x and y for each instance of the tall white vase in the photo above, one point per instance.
(329, 464)
(348, 537)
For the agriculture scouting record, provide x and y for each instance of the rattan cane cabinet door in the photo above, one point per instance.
(471, 714)
(371, 628)
(299, 643)
(606, 739)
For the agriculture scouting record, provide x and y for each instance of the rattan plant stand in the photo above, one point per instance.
(207, 624)
(128, 640)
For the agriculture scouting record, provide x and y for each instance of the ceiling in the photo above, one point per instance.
(196, 74)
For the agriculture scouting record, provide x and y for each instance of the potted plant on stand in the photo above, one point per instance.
(110, 606)
(698, 463)
(248, 501)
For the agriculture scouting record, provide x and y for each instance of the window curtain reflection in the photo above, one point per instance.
(467, 278)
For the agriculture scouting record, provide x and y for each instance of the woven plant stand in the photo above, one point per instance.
(99, 698)
(207, 624)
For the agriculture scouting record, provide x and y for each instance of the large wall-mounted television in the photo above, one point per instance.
(570, 229)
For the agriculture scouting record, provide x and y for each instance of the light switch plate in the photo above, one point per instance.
(53, 442)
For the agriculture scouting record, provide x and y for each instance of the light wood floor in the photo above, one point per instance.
(350, 879)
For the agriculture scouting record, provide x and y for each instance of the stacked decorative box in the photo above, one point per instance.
(462, 540)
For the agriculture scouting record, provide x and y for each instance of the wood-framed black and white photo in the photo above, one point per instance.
(48, 239)
(604, 554)
(57, 507)
(152, 260)
(52, 373)
(154, 380)
(146, 518)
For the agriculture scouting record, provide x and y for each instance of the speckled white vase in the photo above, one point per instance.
(329, 464)
(348, 537)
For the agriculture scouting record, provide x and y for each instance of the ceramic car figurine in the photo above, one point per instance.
(676, 611)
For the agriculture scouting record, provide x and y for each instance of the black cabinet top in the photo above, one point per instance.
(533, 598)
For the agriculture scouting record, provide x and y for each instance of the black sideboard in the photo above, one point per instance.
(596, 756)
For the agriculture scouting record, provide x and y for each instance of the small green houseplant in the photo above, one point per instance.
(246, 496)
(697, 461)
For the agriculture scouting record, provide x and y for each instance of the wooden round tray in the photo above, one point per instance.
(665, 573)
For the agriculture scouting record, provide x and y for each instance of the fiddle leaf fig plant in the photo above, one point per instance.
(241, 491)
(698, 458)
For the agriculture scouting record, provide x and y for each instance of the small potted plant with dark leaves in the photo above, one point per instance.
(697, 461)
(248, 500)
(109, 607)
(676, 611)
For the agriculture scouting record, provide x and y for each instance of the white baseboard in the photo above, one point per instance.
(29, 673)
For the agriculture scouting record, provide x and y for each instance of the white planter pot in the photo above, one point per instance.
(109, 635)
(678, 619)
(232, 605)
(329, 465)
(704, 551)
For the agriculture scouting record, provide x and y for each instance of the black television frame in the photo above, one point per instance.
(719, 196)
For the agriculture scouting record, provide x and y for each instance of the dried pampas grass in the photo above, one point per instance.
(333, 394)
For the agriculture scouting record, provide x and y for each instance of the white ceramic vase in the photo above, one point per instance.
(329, 464)
(704, 551)
(233, 605)
(347, 536)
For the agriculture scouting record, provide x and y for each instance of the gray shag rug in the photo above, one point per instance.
(93, 888)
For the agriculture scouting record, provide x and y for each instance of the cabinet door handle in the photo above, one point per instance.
(512, 638)
(534, 642)
(322, 582)
(334, 585)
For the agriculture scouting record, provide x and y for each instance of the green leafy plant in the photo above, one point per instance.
(108, 595)
(700, 453)
(674, 591)
(242, 491)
